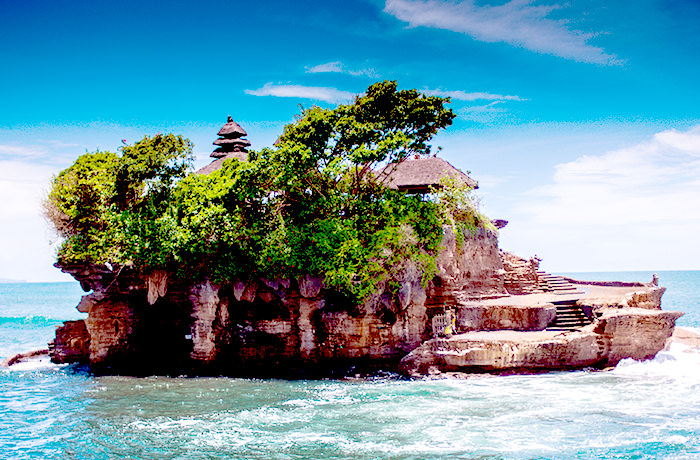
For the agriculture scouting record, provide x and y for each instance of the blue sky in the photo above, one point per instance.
(580, 120)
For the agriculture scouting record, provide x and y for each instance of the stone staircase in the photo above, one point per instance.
(569, 317)
(555, 284)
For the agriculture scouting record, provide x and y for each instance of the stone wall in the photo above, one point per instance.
(505, 317)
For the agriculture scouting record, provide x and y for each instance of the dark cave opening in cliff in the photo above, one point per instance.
(258, 310)
(161, 338)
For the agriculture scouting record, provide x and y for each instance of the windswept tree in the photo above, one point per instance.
(89, 201)
(341, 148)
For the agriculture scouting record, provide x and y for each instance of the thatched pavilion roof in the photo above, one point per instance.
(418, 175)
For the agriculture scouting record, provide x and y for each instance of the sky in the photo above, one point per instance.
(579, 119)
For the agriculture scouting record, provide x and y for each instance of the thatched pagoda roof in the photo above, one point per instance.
(223, 141)
(232, 130)
(230, 145)
(419, 175)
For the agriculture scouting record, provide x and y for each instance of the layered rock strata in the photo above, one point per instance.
(511, 338)
(148, 323)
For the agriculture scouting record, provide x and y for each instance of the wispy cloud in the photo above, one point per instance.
(20, 151)
(464, 96)
(318, 93)
(487, 113)
(517, 22)
(339, 67)
(484, 113)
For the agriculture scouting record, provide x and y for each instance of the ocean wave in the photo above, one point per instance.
(678, 362)
(32, 321)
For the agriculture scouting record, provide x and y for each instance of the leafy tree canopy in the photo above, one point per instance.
(311, 204)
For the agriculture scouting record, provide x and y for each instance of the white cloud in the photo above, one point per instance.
(338, 67)
(464, 96)
(517, 22)
(486, 113)
(654, 181)
(319, 93)
(636, 207)
(335, 66)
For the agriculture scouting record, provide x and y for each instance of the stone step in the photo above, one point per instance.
(575, 321)
(555, 284)
(569, 317)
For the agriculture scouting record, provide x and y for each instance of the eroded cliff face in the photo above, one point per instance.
(474, 269)
(145, 324)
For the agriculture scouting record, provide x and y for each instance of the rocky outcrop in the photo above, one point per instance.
(152, 324)
(520, 275)
(24, 357)
(110, 326)
(647, 298)
(502, 351)
(472, 270)
(71, 343)
(634, 333)
(619, 331)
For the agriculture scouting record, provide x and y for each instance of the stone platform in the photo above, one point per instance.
(509, 333)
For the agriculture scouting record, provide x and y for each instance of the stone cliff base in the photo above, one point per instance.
(624, 333)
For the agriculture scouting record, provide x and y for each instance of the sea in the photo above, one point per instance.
(638, 410)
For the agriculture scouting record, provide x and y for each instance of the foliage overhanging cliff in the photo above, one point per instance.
(312, 204)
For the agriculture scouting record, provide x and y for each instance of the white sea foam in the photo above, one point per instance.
(33, 364)
(679, 362)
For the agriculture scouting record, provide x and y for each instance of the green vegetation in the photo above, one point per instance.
(312, 204)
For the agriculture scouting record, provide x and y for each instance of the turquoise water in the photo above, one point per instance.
(636, 411)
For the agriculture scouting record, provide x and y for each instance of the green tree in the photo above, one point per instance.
(313, 203)
(104, 204)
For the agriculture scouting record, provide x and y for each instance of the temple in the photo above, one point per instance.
(230, 144)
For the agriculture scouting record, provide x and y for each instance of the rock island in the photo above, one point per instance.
(347, 246)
